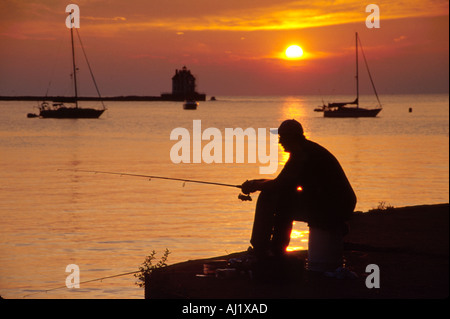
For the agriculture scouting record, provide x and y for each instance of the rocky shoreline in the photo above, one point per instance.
(409, 245)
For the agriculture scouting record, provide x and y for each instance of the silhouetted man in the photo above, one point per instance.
(312, 187)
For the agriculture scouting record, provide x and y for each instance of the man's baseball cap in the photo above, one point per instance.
(289, 128)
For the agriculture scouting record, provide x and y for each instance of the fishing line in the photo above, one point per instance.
(241, 196)
(82, 282)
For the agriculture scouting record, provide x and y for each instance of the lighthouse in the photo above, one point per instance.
(183, 87)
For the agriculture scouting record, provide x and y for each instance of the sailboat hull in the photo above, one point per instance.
(351, 112)
(71, 113)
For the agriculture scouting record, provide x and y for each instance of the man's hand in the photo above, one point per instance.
(248, 187)
(253, 185)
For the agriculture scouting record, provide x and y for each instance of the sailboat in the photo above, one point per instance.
(57, 109)
(341, 109)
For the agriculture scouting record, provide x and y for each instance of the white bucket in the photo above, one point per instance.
(325, 249)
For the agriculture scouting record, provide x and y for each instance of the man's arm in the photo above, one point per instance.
(257, 185)
(287, 179)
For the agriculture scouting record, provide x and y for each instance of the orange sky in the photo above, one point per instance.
(234, 47)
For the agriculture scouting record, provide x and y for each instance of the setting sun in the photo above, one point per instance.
(294, 52)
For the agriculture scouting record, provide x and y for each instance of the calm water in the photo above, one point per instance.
(108, 224)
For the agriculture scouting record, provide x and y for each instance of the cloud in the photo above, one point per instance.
(90, 18)
(283, 15)
(109, 17)
(400, 38)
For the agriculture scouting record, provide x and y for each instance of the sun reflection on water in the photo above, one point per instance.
(299, 237)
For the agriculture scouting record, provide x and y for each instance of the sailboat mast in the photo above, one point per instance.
(357, 72)
(74, 66)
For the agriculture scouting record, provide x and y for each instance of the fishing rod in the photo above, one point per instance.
(241, 196)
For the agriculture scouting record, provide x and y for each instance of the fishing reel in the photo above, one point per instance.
(245, 197)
